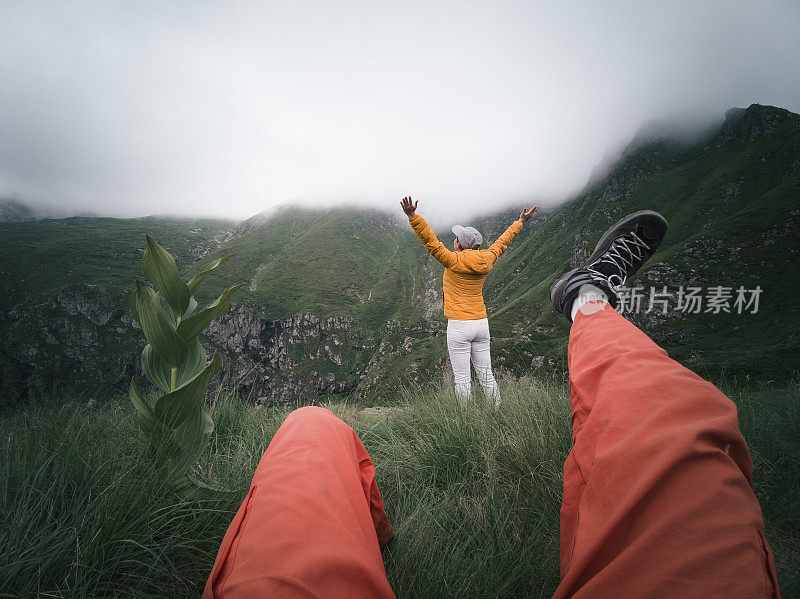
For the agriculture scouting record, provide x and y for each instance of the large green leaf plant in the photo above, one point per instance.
(177, 425)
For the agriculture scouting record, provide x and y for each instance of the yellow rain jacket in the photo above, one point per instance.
(464, 271)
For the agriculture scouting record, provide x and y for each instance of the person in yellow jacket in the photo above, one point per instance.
(466, 268)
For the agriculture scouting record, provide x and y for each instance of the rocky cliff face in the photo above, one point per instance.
(278, 360)
(84, 336)
(756, 121)
(305, 355)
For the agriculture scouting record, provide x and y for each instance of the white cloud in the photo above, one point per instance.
(228, 109)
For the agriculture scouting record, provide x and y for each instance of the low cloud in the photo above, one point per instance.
(129, 109)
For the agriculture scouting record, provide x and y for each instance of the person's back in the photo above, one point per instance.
(462, 284)
(466, 268)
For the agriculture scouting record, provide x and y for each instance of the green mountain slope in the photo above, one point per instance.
(347, 301)
(326, 294)
(38, 259)
(733, 206)
(329, 294)
(339, 262)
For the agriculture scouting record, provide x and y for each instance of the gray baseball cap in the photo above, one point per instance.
(469, 237)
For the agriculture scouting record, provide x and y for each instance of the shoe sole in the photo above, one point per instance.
(619, 228)
(623, 226)
(558, 289)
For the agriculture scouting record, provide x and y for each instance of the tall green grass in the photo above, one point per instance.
(473, 494)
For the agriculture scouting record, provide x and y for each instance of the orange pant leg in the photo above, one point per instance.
(658, 498)
(313, 522)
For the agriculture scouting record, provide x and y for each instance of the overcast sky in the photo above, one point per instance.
(229, 108)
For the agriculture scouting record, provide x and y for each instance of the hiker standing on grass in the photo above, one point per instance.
(465, 271)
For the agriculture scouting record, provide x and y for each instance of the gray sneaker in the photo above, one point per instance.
(619, 254)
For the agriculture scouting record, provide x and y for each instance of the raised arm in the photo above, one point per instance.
(499, 246)
(426, 234)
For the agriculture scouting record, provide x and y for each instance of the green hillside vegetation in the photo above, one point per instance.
(338, 262)
(734, 219)
(38, 259)
(473, 494)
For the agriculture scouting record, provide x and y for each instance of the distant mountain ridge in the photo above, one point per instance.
(348, 301)
(13, 211)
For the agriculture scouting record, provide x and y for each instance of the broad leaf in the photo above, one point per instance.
(156, 326)
(159, 372)
(191, 327)
(159, 266)
(169, 452)
(171, 313)
(192, 437)
(178, 426)
(147, 417)
(175, 407)
(134, 311)
(195, 281)
(190, 310)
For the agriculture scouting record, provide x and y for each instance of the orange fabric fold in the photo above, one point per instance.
(312, 524)
(658, 499)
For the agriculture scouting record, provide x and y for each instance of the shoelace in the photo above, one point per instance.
(633, 246)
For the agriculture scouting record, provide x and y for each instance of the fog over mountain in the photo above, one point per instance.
(202, 108)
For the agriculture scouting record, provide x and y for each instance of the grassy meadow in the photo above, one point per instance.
(473, 494)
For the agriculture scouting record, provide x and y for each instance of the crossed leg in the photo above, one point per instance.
(658, 498)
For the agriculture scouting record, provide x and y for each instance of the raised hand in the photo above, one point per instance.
(408, 206)
(526, 215)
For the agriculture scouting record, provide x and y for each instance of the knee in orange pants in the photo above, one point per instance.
(313, 522)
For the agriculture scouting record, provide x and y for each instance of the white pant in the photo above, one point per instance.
(465, 339)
